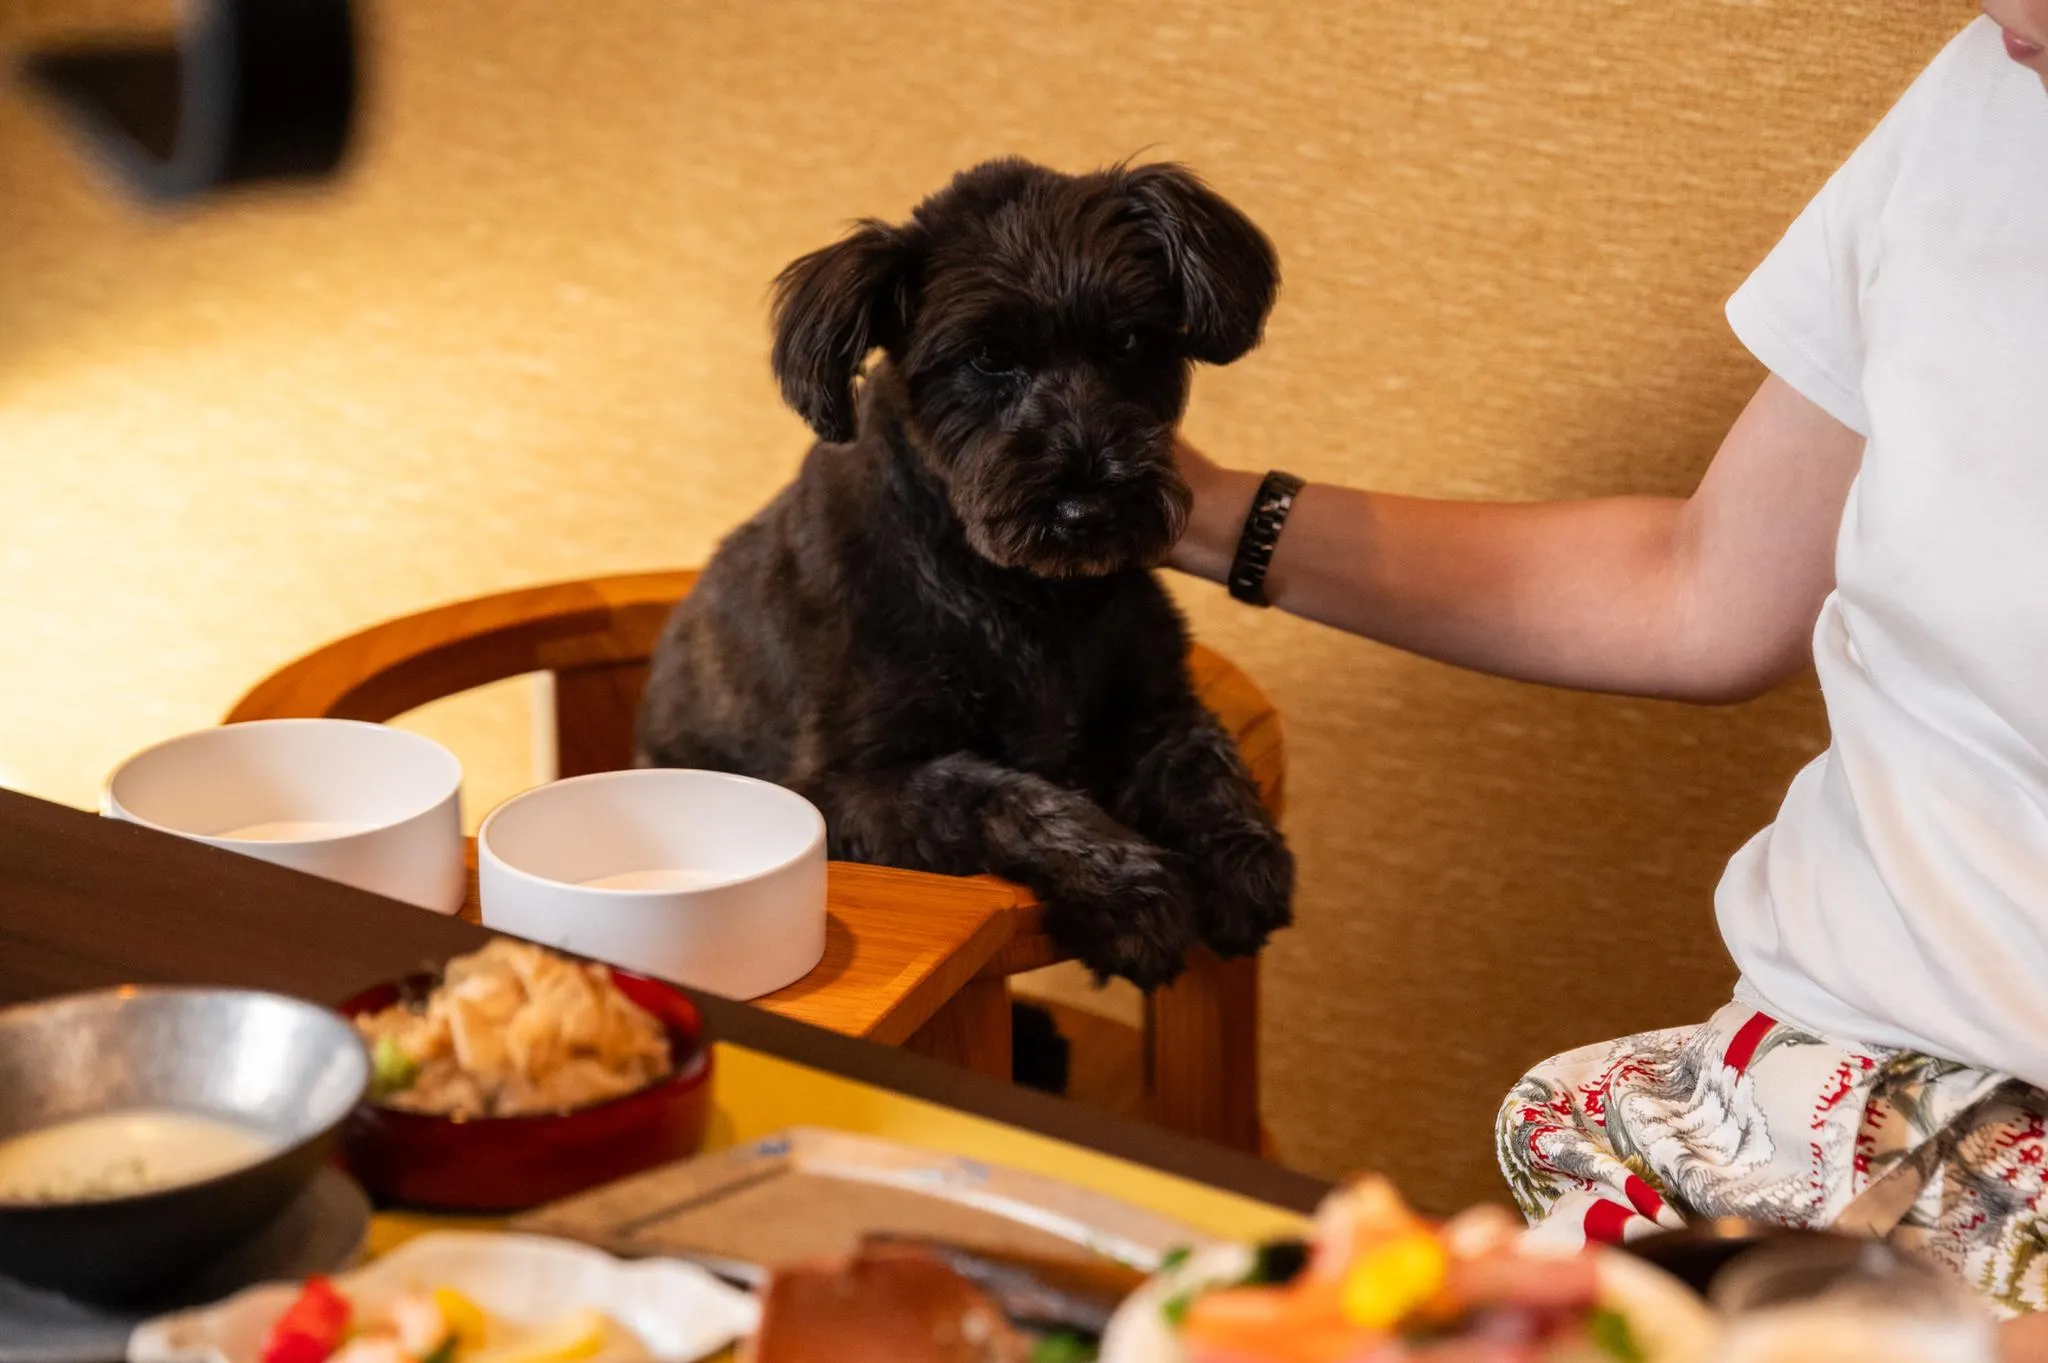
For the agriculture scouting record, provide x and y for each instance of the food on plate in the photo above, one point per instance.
(1377, 1278)
(908, 1301)
(121, 1154)
(311, 1328)
(888, 1304)
(513, 1030)
(430, 1326)
(1058, 1299)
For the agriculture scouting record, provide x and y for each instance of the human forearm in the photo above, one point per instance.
(1710, 598)
(1563, 593)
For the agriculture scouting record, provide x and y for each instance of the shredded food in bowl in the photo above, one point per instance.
(514, 1030)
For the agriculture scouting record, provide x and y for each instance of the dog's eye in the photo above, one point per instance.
(996, 366)
(1127, 345)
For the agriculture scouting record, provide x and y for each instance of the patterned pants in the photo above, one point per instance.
(1747, 1116)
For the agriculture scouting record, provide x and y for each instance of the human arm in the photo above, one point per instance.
(1709, 598)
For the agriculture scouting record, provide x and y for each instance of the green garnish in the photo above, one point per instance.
(391, 1069)
(1275, 1264)
(1612, 1335)
(1061, 1348)
(446, 1352)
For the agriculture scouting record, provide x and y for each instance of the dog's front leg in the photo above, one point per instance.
(1117, 901)
(1185, 787)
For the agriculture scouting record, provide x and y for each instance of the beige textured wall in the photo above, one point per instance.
(525, 340)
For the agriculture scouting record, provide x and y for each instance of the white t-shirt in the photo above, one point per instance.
(1902, 896)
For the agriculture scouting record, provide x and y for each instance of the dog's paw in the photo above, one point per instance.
(1244, 882)
(1126, 912)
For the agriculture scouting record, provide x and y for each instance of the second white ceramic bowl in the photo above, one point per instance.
(365, 804)
(707, 879)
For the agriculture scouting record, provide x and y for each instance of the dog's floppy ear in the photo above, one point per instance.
(1227, 270)
(831, 308)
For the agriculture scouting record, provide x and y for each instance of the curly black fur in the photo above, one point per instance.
(945, 632)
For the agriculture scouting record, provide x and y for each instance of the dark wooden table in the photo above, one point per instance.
(87, 903)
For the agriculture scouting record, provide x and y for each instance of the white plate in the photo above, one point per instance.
(1138, 1333)
(679, 1313)
(1668, 1320)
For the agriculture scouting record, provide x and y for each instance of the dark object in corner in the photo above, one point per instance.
(1696, 1254)
(251, 91)
(1039, 1056)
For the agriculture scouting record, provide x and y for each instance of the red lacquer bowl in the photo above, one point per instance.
(502, 1164)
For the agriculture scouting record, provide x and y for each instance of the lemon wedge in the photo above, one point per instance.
(1392, 1279)
(571, 1338)
(464, 1318)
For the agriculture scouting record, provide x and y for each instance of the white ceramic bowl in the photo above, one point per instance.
(364, 804)
(710, 880)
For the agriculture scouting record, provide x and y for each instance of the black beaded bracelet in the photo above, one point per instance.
(1261, 536)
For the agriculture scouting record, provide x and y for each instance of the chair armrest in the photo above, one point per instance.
(1249, 717)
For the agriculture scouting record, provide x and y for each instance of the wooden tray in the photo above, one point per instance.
(811, 1194)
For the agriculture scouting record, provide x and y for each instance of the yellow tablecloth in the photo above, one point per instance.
(757, 1095)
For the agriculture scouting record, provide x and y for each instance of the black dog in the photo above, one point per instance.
(945, 633)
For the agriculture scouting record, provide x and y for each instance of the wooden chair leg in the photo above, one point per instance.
(971, 1030)
(1202, 1051)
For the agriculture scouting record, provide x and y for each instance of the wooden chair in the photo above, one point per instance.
(595, 637)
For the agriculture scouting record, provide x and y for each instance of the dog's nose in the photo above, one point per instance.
(1081, 513)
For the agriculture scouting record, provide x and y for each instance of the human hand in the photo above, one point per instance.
(1194, 465)
(1222, 499)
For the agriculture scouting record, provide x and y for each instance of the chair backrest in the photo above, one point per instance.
(595, 637)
